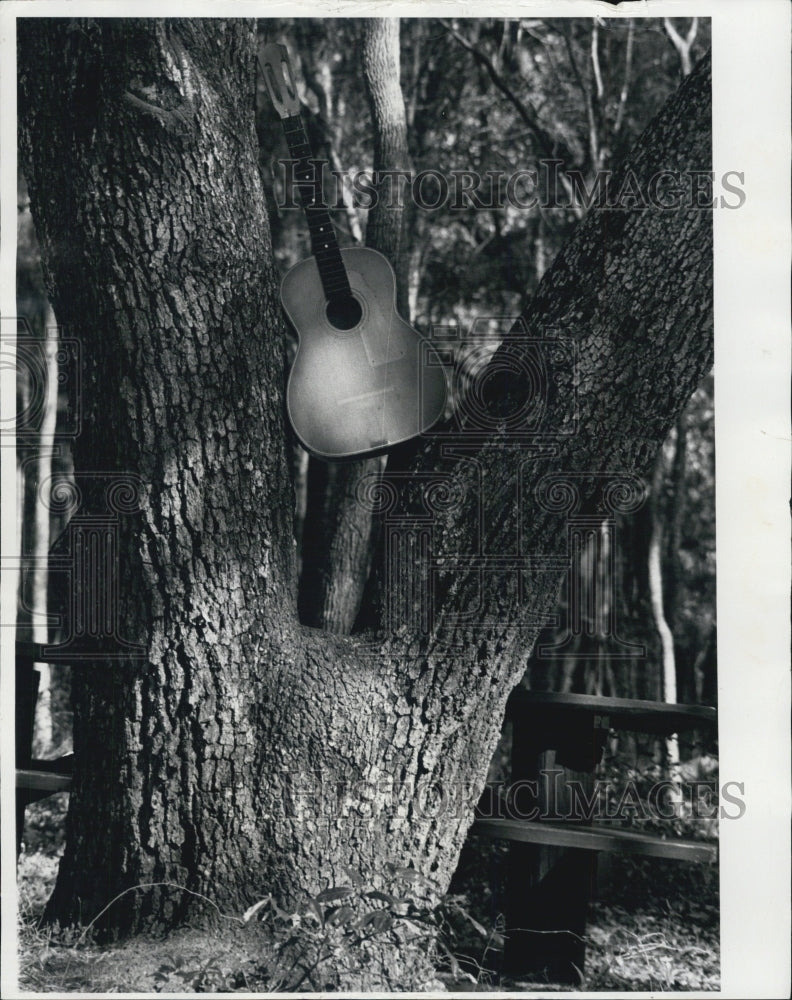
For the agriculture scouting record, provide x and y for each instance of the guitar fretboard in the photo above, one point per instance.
(324, 244)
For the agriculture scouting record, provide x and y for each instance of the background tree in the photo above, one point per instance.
(43, 460)
(141, 155)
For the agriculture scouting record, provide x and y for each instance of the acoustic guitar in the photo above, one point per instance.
(363, 380)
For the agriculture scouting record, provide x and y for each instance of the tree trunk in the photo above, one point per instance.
(672, 591)
(668, 669)
(35, 453)
(340, 534)
(385, 230)
(42, 728)
(244, 753)
(338, 543)
(146, 193)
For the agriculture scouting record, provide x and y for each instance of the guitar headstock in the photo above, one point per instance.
(279, 79)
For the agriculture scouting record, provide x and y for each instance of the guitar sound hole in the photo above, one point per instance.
(344, 312)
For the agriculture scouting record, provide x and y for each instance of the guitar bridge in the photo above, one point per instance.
(365, 397)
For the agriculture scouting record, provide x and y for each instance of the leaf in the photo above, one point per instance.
(497, 941)
(367, 918)
(417, 924)
(340, 916)
(472, 920)
(411, 875)
(382, 920)
(283, 945)
(251, 911)
(338, 892)
(456, 969)
(384, 897)
(316, 910)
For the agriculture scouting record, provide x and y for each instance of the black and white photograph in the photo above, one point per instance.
(395, 474)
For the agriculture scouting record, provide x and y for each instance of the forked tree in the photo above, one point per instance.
(200, 762)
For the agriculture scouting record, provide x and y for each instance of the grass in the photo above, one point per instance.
(655, 928)
(628, 950)
(649, 952)
(54, 961)
(188, 960)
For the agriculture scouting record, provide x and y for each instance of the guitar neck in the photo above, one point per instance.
(324, 243)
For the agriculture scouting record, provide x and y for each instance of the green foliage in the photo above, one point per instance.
(44, 824)
(348, 933)
(634, 769)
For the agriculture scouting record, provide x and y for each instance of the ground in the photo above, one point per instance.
(654, 928)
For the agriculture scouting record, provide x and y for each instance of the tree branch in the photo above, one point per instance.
(546, 142)
(631, 291)
(682, 45)
(595, 59)
(585, 91)
(543, 138)
(625, 90)
(340, 536)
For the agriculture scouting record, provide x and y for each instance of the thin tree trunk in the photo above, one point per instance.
(682, 45)
(686, 686)
(42, 731)
(338, 543)
(669, 693)
(38, 401)
(381, 71)
(340, 536)
(627, 80)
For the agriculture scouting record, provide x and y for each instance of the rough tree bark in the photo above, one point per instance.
(154, 239)
(200, 765)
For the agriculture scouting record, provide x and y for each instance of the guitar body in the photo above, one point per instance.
(363, 379)
(360, 390)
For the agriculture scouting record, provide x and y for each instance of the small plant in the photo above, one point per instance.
(176, 974)
(466, 943)
(349, 933)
